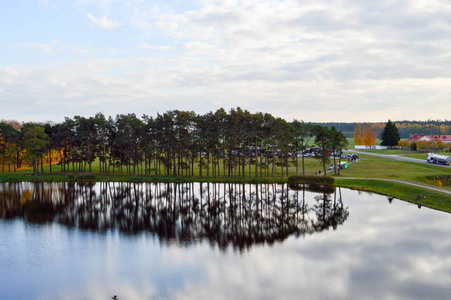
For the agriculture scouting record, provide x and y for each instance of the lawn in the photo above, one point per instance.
(377, 167)
(367, 168)
(408, 193)
(311, 167)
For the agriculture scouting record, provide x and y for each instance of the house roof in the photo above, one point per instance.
(446, 138)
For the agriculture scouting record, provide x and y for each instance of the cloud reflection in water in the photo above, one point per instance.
(194, 251)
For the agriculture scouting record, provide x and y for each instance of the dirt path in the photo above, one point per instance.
(397, 157)
(437, 189)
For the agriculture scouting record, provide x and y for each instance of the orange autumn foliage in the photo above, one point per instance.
(358, 135)
(369, 136)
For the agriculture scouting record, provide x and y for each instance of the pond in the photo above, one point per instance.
(217, 241)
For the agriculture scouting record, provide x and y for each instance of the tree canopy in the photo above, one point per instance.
(390, 135)
(236, 143)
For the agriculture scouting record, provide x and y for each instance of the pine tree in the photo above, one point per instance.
(390, 135)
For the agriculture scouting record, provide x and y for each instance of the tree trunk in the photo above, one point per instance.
(15, 158)
(256, 157)
(35, 168)
(3, 158)
(9, 156)
(89, 157)
(208, 164)
(303, 165)
(72, 157)
(287, 165)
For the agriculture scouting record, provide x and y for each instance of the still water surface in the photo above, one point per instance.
(217, 241)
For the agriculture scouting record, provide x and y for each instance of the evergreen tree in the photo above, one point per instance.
(37, 143)
(390, 135)
(338, 143)
(302, 134)
(323, 141)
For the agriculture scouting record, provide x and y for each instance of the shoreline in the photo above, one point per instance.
(432, 197)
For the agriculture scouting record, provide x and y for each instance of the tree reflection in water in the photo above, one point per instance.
(223, 214)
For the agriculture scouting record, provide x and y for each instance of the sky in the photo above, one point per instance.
(310, 60)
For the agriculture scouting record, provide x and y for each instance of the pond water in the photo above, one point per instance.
(217, 241)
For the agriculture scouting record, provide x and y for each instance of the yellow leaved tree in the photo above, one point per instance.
(358, 135)
(369, 135)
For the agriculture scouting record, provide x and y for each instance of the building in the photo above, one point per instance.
(428, 138)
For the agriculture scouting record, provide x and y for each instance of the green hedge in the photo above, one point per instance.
(81, 178)
(311, 179)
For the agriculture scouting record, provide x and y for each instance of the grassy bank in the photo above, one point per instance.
(369, 167)
(101, 177)
(429, 198)
(379, 167)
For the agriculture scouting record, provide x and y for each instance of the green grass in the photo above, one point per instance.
(378, 167)
(429, 198)
(372, 167)
(368, 167)
(400, 152)
(385, 151)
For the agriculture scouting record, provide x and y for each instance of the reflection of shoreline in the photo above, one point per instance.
(240, 215)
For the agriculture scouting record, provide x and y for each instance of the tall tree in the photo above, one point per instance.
(37, 143)
(257, 123)
(390, 134)
(7, 136)
(66, 135)
(322, 140)
(302, 135)
(101, 129)
(50, 130)
(369, 135)
(284, 137)
(358, 134)
(338, 143)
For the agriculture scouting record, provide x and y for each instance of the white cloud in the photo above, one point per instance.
(46, 48)
(315, 60)
(104, 23)
(159, 48)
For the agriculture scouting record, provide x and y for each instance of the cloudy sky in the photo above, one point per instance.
(313, 60)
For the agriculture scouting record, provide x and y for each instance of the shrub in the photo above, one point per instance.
(311, 179)
(439, 180)
(137, 179)
(81, 178)
(86, 178)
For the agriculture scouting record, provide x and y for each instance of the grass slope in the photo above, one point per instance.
(369, 167)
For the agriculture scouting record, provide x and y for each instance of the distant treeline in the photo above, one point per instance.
(405, 128)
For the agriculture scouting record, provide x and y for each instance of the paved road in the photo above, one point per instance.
(397, 157)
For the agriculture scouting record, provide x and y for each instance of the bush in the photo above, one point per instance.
(137, 179)
(311, 179)
(439, 180)
(317, 188)
(86, 178)
(81, 178)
